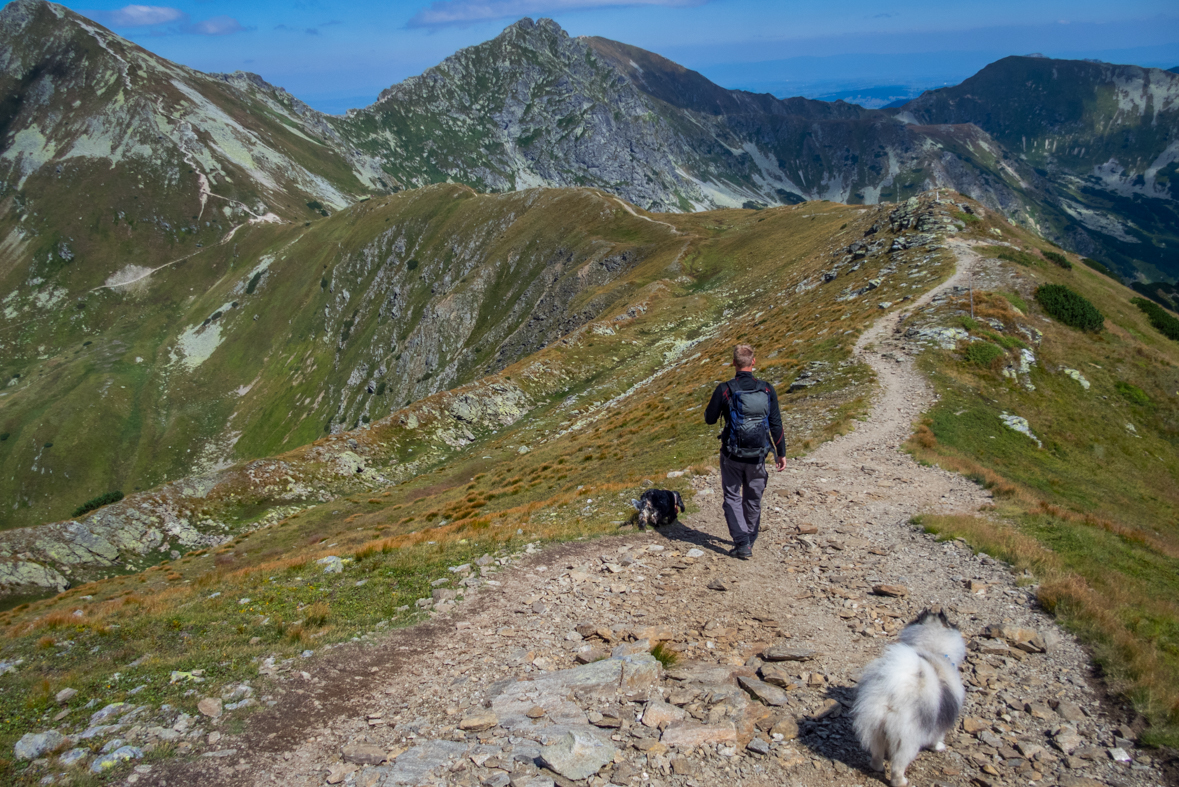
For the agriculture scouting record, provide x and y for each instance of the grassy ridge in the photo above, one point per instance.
(1093, 512)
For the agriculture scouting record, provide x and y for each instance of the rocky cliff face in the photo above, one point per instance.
(1101, 139)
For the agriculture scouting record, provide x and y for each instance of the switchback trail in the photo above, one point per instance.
(470, 697)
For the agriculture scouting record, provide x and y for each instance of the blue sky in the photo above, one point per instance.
(339, 55)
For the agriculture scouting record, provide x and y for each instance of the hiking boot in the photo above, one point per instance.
(741, 552)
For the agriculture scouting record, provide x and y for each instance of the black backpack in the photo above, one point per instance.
(749, 423)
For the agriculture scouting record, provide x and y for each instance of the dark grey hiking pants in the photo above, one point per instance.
(744, 483)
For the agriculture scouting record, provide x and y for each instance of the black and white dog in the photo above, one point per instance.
(910, 697)
(658, 507)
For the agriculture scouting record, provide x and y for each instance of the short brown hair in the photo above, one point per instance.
(742, 356)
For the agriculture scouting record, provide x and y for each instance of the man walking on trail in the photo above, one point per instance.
(753, 425)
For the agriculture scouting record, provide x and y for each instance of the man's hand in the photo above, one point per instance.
(780, 463)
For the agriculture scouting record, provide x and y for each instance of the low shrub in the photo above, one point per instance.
(983, 353)
(1058, 258)
(1163, 321)
(98, 502)
(1132, 393)
(1017, 256)
(1068, 307)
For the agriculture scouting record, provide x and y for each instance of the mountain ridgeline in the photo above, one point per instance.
(199, 269)
(1084, 153)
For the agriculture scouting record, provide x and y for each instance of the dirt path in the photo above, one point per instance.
(836, 528)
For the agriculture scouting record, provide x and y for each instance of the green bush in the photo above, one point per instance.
(1163, 321)
(1058, 258)
(1132, 393)
(1068, 307)
(253, 285)
(969, 323)
(411, 265)
(98, 502)
(983, 353)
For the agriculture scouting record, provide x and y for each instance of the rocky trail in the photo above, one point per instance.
(544, 675)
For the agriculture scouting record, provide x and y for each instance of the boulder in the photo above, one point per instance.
(331, 564)
(65, 695)
(363, 754)
(578, 754)
(119, 755)
(659, 713)
(689, 734)
(33, 745)
(789, 653)
(478, 721)
(770, 695)
(210, 706)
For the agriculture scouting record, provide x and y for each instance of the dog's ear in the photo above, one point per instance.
(925, 615)
(941, 615)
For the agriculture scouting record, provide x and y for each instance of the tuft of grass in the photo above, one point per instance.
(982, 353)
(665, 655)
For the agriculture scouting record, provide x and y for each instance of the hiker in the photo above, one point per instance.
(753, 424)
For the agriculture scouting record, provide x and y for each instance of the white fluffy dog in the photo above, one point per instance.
(910, 697)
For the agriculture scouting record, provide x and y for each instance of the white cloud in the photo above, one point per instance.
(139, 16)
(216, 26)
(460, 12)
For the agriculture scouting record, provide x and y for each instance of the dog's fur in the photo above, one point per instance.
(657, 507)
(910, 697)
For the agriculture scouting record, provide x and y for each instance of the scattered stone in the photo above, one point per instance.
(770, 695)
(1067, 740)
(758, 746)
(974, 726)
(789, 653)
(578, 754)
(891, 591)
(210, 706)
(479, 721)
(717, 584)
(363, 754)
(120, 755)
(590, 656)
(1118, 754)
(65, 695)
(340, 771)
(658, 714)
(787, 727)
(830, 709)
(34, 745)
(331, 564)
(689, 734)
(73, 757)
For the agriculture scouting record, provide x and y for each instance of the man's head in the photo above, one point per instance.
(743, 357)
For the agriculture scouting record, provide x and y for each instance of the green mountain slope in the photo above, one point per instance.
(292, 331)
